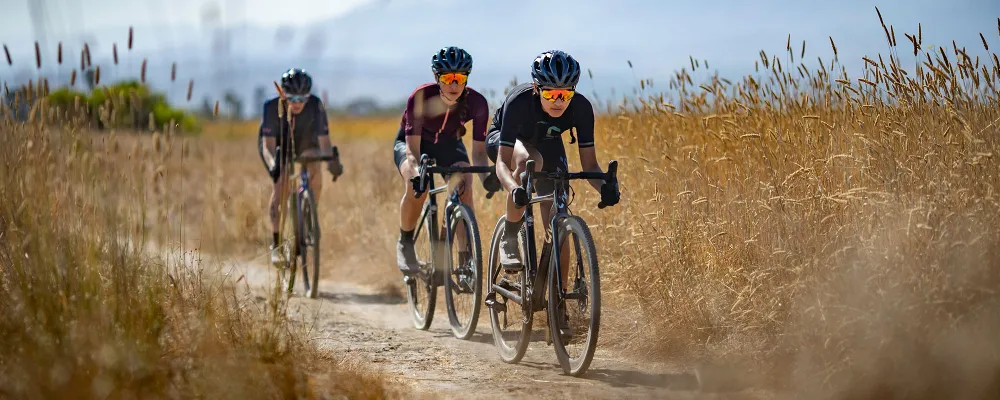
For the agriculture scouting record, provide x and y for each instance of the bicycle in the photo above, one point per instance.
(304, 224)
(529, 286)
(465, 279)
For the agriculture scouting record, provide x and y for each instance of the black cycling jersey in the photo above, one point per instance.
(310, 124)
(521, 117)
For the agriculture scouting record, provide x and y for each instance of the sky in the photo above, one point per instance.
(73, 15)
(382, 47)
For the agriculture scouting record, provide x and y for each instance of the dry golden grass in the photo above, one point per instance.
(92, 308)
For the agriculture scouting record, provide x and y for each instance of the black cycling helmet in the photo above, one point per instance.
(555, 68)
(296, 81)
(451, 59)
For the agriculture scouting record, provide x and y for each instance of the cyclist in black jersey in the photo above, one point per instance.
(529, 125)
(309, 131)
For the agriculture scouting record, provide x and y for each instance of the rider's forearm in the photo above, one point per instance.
(588, 160)
(412, 149)
(596, 183)
(270, 145)
(324, 144)
(479, 158)
(505, 173)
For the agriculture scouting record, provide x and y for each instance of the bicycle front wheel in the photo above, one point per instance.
(289, 244)
(574, 309)
(421, 291)
(310, 244)
(463, 288)
(511, 321)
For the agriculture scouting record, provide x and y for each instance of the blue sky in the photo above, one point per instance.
(381, 47)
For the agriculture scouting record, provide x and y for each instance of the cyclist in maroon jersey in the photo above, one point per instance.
(434, 124)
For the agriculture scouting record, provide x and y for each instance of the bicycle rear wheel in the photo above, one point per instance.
(309, 243)
(421, 292)
(463, 287)
(510, 321)
(579, 301)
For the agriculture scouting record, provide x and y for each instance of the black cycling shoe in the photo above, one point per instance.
(406, 258)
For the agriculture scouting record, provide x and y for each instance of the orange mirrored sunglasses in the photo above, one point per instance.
(453, 77)
(555, 94)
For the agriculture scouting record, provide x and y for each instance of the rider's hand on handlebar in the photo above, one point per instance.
(610, 194)
(335, 167)
(520, 197)
(491, 183)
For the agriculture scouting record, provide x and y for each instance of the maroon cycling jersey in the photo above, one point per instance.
(427, 115)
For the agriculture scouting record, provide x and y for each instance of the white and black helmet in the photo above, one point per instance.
(451, 59)
(555, 68)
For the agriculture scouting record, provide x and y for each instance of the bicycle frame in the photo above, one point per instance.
(424, 180)
(561, 209)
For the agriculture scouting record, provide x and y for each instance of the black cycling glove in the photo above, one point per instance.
(520, 197)
(610, 194)
(491, 183)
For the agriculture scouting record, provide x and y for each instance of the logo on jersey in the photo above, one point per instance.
(552, 131)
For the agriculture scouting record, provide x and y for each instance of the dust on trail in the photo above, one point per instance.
(375, 329)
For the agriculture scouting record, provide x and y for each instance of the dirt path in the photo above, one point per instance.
(377, 328)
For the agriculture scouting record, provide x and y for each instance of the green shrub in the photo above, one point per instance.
(126, 104)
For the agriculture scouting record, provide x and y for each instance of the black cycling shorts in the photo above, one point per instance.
(553, 158)
(446, 152)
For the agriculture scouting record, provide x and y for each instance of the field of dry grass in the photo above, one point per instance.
(836, 234)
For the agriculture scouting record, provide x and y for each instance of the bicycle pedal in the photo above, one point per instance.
(492, 303)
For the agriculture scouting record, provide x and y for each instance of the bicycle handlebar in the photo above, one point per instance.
(609, 177)
(326, 157)
(307, 159)
(427, 167)
(334, 153)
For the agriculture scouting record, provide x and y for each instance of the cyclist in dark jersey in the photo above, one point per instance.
(310, 134)
(529, 125)
(433, 124)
